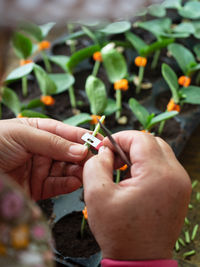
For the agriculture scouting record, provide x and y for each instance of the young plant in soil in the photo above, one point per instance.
(39, 35)
(23, 48)
(148, 120)
(144, 50)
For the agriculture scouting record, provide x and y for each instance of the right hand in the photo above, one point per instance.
(141, 217)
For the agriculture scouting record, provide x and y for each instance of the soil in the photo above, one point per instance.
(68, 240)
(46, 206)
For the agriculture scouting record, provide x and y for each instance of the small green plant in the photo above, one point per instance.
(148, 120)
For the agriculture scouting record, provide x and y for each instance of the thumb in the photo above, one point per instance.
(98, 174)
(47, 144)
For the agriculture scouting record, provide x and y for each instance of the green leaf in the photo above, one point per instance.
(90, 34)
(197, 50)
(80, 55)
(157, 10)
(149, 49)
(45, 28)
(115, 64)
(20, 72)
(96, 93)
(172, 81)
(62, 81)
(11, 100)
(47, 86)
(162, 117)
(157, 26)
(140, 112)
(22, 45)
(35, 103)
(183, 56)
(136, 41)
(111, 107)
(78, 119)
(117, 27)
(172, 4)
(185, 27)
(60, 61)
(33, 114)
(33, 30)
(196, 25)
(190, 10)
(192, 94)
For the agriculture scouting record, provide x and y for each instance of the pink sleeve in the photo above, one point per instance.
(148, 263)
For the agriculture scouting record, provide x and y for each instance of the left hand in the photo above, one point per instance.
(42, 155)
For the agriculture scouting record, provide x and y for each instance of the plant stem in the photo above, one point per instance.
(161, 127)
(118, 104)
(96, 68)
(118, 177)
(155, 59)
(24, 86)
(72, 46)
(82, 226)
(72, 96)
(46, 62)
(140, 78)
(198, 78)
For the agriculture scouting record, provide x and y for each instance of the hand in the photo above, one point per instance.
(141, 217)
(42, 155)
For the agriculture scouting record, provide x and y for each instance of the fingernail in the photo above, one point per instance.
(101, 149)
(77, 149)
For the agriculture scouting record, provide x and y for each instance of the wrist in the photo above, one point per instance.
(146, 263)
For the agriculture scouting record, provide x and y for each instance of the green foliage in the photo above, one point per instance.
(20, 72)
(145, 118)
(38, 33)
(191, 94)
(114, 63)
(22, 45)
(190, 10)
(80, 55)
(46, 84)
(111, 107)
(62, 81)
(61, 61)
(34, 103)
(11, 100)
(90, 34)
(96, 93)
(116, 27)
(176, 4)
(136, 41)
(156, 46)
(33, 114)
(78, 119)
(183, 56)
(157, 10)
(185, 27)
(172, 81)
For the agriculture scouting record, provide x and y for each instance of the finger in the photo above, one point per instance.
(140, 146)
(47, 144)
(68, 132)
(40, 171)
(58, 168)
(54, 186)
(74, 170)
(98, 174)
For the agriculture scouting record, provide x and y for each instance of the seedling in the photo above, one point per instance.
(148, 120)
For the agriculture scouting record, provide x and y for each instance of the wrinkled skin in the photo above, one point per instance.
(37, 153)
(141, 217)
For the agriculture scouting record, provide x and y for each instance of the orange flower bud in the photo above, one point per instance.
(121, 85)
(47, 100)
(20, 116)
(44, 45)
(94, 119)
(97, 56)
(85, 214)
(25, 61)
(173, 106)
(145, 131)
(124, 167)
(140, 61)
(184, 81)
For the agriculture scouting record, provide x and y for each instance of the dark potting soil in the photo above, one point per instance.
(67, 237)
